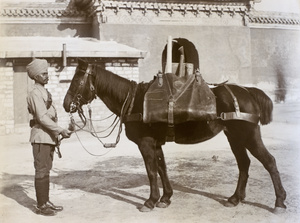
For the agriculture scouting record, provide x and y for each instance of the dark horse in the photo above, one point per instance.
(91, 80)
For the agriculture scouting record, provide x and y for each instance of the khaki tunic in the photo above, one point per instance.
(46, 129)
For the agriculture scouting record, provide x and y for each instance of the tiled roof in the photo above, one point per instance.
(187, 1)
(40, 12)
(260, 17)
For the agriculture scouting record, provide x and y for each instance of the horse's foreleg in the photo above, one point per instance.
(243, 162)
(147, 148)
(162, 170)
(258, 150)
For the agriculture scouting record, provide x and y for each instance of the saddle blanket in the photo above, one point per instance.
(173, 100)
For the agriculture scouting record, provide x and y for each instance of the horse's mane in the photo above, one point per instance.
(108, 83)
(112, 86)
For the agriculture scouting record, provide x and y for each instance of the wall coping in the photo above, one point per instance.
(251, 17)
(28, 47)
(66, 12)
(264, 19)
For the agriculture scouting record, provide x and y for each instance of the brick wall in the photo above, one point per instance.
(6, 100)
(124, 68)
(58, 85)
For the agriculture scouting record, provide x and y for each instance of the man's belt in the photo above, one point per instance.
(34, 122)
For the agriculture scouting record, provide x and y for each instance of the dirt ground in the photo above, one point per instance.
(111, 188)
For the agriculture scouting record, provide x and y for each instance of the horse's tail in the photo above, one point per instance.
(265, 105)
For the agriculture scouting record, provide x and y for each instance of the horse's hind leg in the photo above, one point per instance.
(162, 170)
(243, 161)
(258, 150)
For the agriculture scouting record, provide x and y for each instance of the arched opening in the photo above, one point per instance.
(182, 47)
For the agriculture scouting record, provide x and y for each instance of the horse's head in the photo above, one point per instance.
(81, 90)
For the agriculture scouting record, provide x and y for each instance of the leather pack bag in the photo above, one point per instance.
(173, 100)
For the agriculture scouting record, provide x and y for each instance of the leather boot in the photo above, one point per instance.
(53, 206)
(49, 203)
(41, 194)
(45, 210)
(41, 189)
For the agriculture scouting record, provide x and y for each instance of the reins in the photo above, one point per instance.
(88, 122)
(94, 133)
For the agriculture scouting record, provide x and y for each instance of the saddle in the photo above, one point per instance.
(176, 99)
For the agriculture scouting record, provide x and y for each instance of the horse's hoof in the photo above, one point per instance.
(279, 210)
(162, 205)
(145, 209)
(229, 204)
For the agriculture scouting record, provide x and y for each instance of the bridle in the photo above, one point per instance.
(76, 105)
(78, 95)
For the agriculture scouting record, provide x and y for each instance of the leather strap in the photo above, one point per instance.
(170, 105)
(136, 116)
(171, 112)
(174, 97)
(238, 115)
(235, 102)
(226, 116)
(132, 99)
(160, 79)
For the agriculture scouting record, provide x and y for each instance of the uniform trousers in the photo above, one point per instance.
(43, 159)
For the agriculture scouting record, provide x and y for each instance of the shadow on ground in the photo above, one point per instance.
(112, 178)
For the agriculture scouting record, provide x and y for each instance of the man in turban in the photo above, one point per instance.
(44, 134)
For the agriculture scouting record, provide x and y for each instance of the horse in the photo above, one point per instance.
(121, 95)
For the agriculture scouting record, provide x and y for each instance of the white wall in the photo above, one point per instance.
(292, 6)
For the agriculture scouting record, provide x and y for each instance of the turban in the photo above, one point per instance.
(36, 67)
